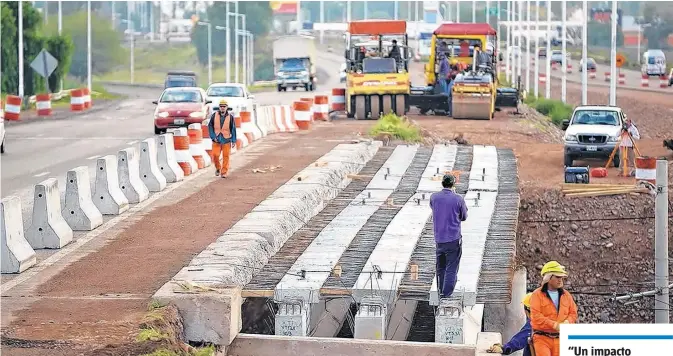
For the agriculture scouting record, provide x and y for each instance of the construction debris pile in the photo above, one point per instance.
(606, 242)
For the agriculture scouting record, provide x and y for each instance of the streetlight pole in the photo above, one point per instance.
(322, 21)
(21, 91)
(228, 49)
(548, 58)
(457, 11)
(88, 44)
(613, 57)
(60, 30)
(564, 59)
(508, 47)
(210, 49)
(366, 8)
(131, 37)
(236, 67)
(528, 48)
(474, 11)
(519, 60)
(536, 80)
(585, 40)
(396, 9)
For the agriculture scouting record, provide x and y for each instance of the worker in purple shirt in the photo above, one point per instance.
(443, 75)
(448, 211)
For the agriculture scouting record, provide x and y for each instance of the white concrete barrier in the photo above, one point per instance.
(150, 173)
(48, 228)
(128, 169)
(259, 118)
(107, 196)
(79, 211)
(17, 255)
(168, 164)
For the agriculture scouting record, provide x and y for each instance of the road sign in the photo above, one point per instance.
(44, 64)
(493, 11)
(620, 60)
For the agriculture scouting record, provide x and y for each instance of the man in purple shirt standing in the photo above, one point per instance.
(448, 211)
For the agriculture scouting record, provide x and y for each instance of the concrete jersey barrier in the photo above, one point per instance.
(80, 212)
(231, 260)
(17, 254)
(48, 229)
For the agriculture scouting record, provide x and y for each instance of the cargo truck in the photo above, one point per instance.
(294, 62)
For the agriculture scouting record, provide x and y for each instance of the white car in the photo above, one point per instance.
(237, 96)
(592, 132)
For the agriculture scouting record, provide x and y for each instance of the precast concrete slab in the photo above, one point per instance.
(303, 280)
(212, 270)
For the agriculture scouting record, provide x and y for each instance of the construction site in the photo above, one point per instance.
(320, 240)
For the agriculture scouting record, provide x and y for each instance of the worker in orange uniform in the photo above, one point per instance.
(222, 130)
(551, 306)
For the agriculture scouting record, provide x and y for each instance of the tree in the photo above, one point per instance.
(257, 15)
(9, 64)
(60, 47)
(107, 51)
(659, 16)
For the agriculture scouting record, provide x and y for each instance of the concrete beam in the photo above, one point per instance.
(456, 325)
(324, 251)
(256, 345)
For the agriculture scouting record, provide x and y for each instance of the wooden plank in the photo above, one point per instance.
(257, 293)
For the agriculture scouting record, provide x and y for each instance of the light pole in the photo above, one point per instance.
(548, 58)
(210, 49)
(236, 35)
(536, 80)
(60, 30)
(88, 44)
(457, 11)
(528, 47)
(396, 9)
(585, 40)
(132, 39)
(227, 61)
(519, 65)
(613, 56)
(322, 21)
(474, 11)
(21, 49)
(251, 57)
(508, 43)
(245, 41)
(564, 59)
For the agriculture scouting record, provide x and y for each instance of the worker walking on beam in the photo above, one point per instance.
(521, 340)
(448, 211)
(551, 306)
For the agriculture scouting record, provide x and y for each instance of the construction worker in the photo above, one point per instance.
(449, 89)
(627, 144)
(551, 306)
(222, 130)
(520, 341)
(448, 211)
(444, 72)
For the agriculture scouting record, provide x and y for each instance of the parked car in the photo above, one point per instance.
(592, 132)
(591, 64)
(237, 96)
(542, 52)
(180, 107)
(654, 63)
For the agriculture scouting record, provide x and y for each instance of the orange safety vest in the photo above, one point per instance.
(222, 127)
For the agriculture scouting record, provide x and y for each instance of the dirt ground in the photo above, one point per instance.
(101, 298)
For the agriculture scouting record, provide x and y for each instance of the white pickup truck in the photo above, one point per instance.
(592, 132)
(237, 96)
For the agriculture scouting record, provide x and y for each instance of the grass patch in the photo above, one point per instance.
(556, 110)
(151, 335)
(397, 127)
(256, 88)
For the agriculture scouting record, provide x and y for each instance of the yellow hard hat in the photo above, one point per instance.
(555, 268)
(223, 102)
(526, 300)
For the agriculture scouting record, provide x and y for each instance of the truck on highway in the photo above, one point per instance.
(294, 62)
(180, 78)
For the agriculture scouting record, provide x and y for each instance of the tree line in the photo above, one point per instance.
(69, 48)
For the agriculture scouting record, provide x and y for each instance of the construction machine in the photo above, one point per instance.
(475, 93)
(377, 68)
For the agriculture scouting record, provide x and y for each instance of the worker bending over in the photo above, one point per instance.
(520, 341)
(222, 131)
(551, 306)
(627, 144)
(448, 211)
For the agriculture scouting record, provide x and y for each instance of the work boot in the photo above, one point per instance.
(217, 172)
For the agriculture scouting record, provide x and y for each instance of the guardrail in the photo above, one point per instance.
(54, 96)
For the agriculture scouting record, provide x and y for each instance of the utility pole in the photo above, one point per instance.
(508, 43)
(88, 44)
(348, 11)
(366, 9)
(131, 38)
(564, 59)
(396, 9)
(457, 11)
(536, 80)
(21, 91)
(60, 29)
(228, 46)
(528, 47)
(548, 58)
(322, 21)
(521, 53)
(113, 15)
(585, 40)
(613, 57)
(474, 11)
(236, 67)
(661, 303)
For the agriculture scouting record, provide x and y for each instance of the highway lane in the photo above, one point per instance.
(42, 149)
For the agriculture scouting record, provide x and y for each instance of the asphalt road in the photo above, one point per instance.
(632, 77)
(41, 149)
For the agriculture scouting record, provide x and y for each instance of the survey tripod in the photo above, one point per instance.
(624, 152)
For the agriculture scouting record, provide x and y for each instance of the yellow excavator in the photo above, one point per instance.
(475, 93)
(377, 72)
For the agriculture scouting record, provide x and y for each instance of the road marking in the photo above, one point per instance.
(132, 142)
(41, 174)
(93, 157)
